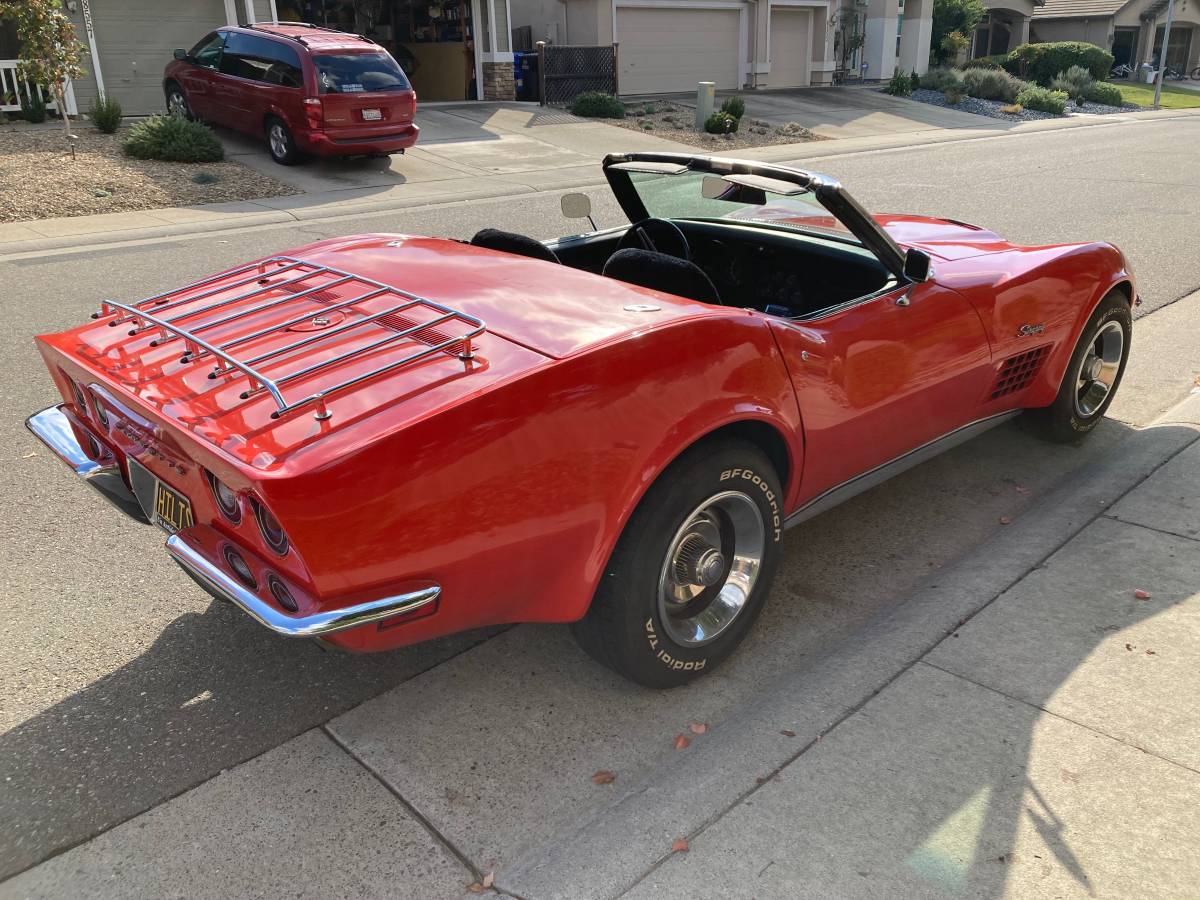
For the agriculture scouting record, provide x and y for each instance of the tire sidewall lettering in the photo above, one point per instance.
(768, 495)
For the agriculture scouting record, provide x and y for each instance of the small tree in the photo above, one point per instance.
(949, 16)
(50, 53)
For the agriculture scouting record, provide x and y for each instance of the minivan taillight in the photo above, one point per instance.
(314, 113)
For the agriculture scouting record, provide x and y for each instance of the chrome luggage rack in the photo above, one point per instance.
(303, 285)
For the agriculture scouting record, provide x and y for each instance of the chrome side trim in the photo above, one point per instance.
(293, 626)
(881, 473)
(52, 427)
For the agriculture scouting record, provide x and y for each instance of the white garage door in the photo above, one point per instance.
(667, 50)
(791, 47)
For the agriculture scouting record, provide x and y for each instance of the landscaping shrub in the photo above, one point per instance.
(1042, 62)
(173, 139)
(33, 106)
(1075, 81)
(1042, 99)
(1012, 109)
(949, 16)
(721, 122)
(899, 86)
(914, 81)
(991, 84)
(1102, 92)
(954, 95)
(105, 114)
(941, 79)
(953, 46)
(986, 62)
(598, 105)
(735, 106)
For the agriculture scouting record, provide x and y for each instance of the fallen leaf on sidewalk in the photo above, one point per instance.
(1021, 489)
(1129, 646)
(489, 879)
(1151, 653)
(787, 732)
(1005, 520)
(475, 887)
(30, 455)
(698, 728)
(680, 846)
(1141, 595)
(682, 741)
(604, 777)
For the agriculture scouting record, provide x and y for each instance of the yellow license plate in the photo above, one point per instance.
(172, 510)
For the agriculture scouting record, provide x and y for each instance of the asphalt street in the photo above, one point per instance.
(124, 685)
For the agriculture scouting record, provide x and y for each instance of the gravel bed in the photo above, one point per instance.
(991, 108)
(40, 180)
(676, 122)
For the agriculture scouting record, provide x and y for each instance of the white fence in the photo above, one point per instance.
(10, 98)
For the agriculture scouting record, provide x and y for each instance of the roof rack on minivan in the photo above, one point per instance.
(296, 37)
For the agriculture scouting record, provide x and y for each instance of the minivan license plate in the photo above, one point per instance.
(372, 115)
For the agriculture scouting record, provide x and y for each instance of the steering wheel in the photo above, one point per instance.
(657, 235)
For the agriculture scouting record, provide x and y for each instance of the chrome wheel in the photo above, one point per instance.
(710, 568)
(278, 139)
(177, 105)
(1097, 373)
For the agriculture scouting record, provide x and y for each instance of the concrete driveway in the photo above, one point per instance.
(848, 111)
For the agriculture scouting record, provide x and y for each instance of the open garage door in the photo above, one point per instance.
(791, 47)
(670, 49)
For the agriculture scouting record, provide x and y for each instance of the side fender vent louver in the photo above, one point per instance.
(1017, 372)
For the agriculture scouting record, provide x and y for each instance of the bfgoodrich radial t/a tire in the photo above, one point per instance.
(1093, 374)
(692, 570)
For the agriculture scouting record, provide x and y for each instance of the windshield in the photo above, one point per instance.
(352, 73)
(699, 195)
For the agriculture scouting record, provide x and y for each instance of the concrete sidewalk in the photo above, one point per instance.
(481, 151)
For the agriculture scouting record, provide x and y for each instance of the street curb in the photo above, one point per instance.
(496, 186)
(617, 846)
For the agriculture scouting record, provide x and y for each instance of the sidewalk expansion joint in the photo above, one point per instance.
(1084, 725)
(1071, 534)
(408, 807)
(1151, 528)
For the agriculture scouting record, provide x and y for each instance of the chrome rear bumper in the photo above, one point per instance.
(58, 431)
(207, 573)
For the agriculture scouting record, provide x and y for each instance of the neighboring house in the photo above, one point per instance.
(1006, 27)
(670, 45)
(1132, 30)
(130, 42)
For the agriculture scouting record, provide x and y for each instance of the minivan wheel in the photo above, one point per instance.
(177, 104)
(281, 144)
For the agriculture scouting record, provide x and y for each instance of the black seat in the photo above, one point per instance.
(511, 242)
(662, 272)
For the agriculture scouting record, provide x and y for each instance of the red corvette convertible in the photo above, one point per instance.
(381, 439)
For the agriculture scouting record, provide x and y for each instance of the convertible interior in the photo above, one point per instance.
(740, 251)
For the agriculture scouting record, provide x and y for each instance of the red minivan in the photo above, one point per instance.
(305, 88)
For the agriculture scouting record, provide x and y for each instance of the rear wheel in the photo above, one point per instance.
(281, 144)
(692, 570)
(1093, 374)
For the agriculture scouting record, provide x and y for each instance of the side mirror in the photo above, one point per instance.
(577, 206)
(917, 266)
(180, 54)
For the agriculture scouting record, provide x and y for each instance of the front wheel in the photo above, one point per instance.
(1093, 374)
(692, 570)
(177, 104)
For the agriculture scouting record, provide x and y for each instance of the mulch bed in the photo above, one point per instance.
(40, 180)
(676, 122)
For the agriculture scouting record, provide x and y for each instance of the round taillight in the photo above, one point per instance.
(80, 400)
(272, 532)
(101, 413)
(240, 568)
(282, 595)
(227, 499)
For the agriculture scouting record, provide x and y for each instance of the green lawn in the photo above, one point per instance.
(1172, 97)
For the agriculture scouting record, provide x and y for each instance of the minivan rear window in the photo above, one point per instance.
(351, 73)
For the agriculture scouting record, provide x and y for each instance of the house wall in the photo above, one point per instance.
(1093, 31)
(583, 18)
(547, 18)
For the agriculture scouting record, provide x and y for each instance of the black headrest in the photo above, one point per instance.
(511, 242)
(662, 272)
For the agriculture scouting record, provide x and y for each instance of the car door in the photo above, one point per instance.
(241, 66)
(199, 77)
(879, 377)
